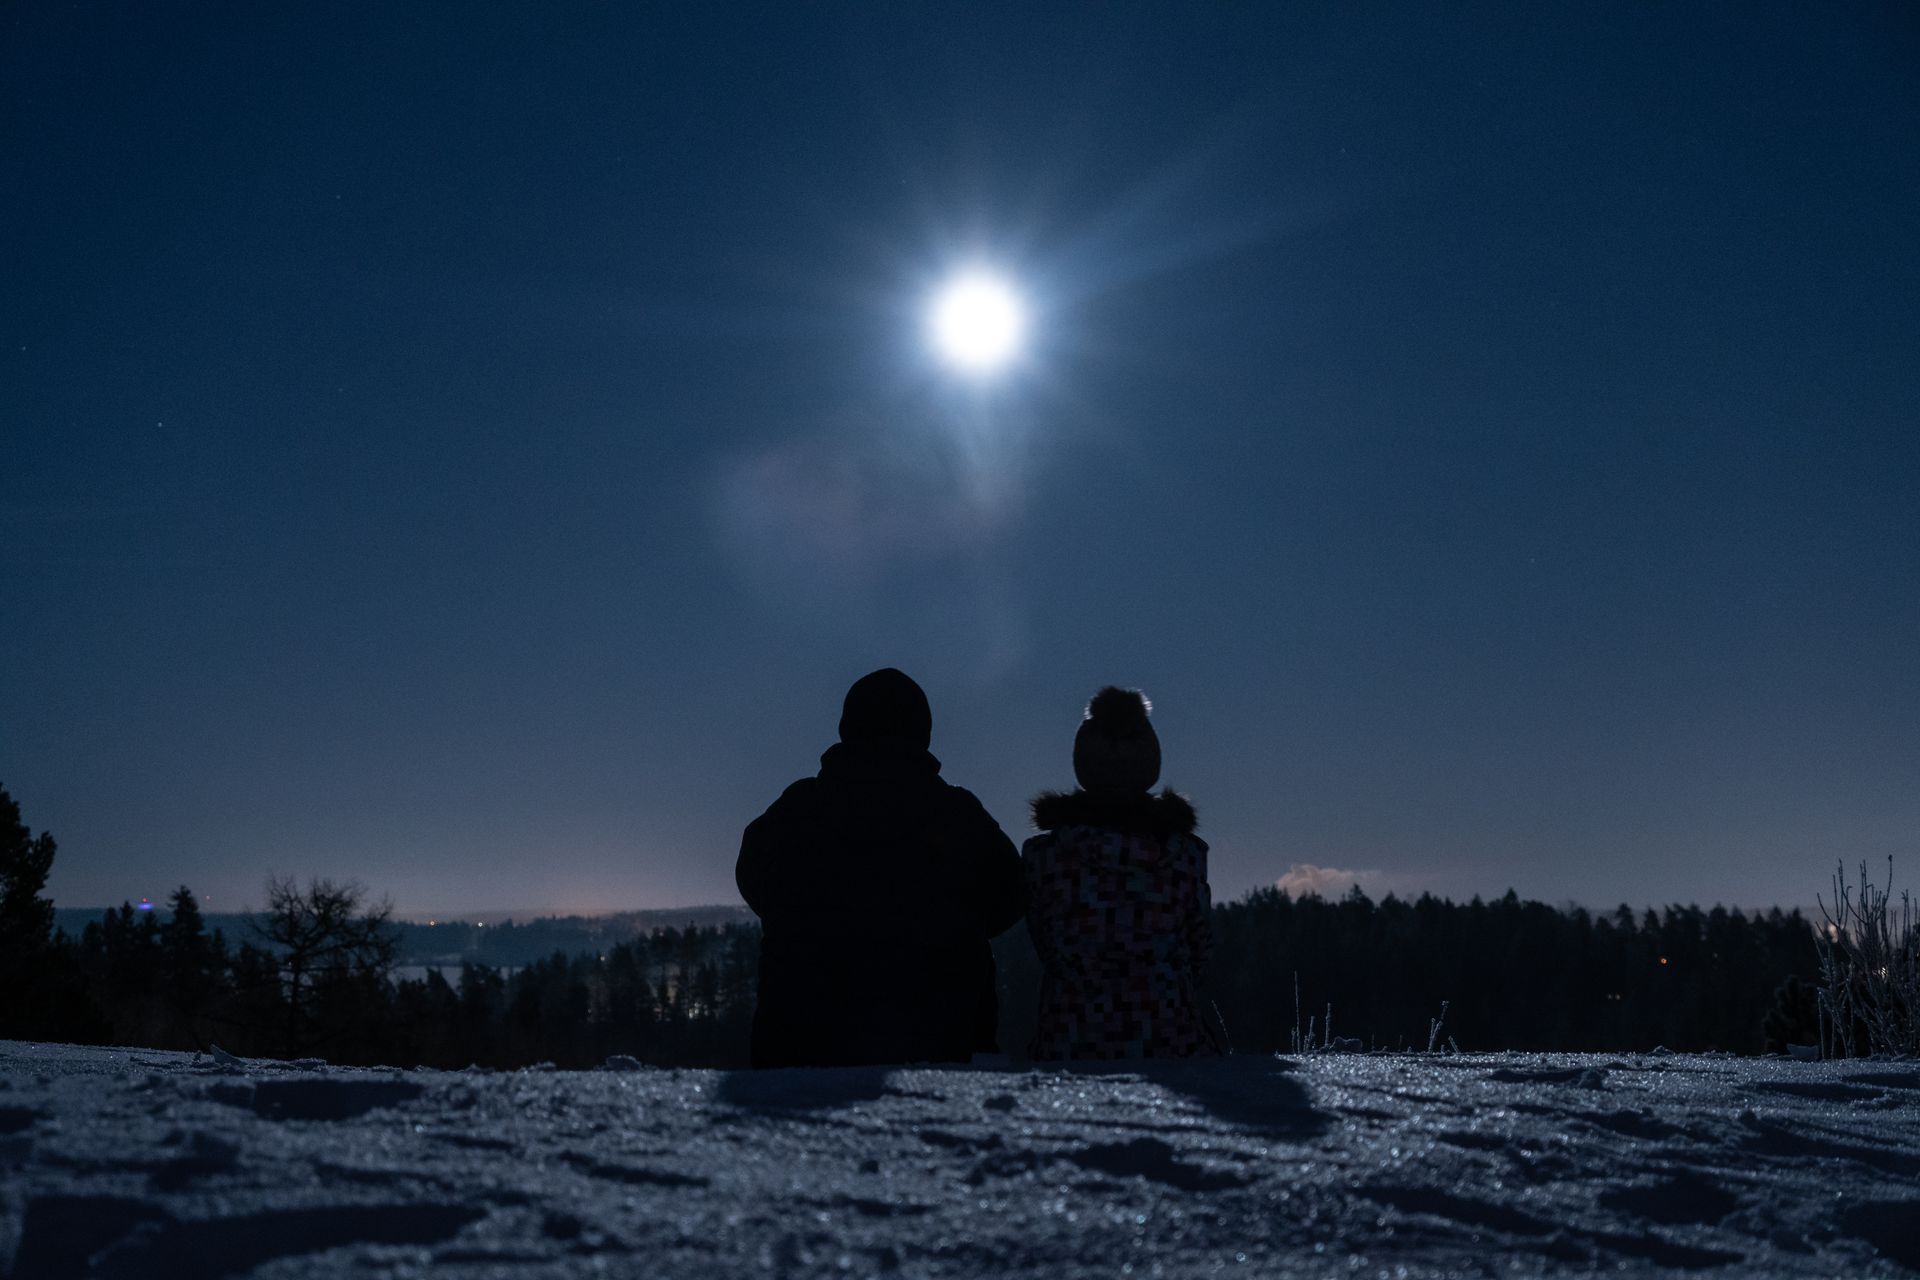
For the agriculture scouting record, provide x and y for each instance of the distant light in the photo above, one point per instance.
(1663, 959)
(977, 322)
(144, 905)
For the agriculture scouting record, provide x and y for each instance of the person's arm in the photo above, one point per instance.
(1005, 891)
(771, 877)
(753, 870)
(1199, 923)
(1037, 855)
(999, 877)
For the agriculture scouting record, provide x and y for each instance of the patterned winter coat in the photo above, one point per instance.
(1118, 908)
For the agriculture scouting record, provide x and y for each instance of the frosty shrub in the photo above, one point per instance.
(1869, 969)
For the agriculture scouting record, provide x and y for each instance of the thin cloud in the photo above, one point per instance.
(886, 543)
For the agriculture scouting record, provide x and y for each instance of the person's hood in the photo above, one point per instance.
(1162, 814)
(882, 759)
(880, 787)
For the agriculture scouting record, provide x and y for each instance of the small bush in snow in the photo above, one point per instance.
(1869, 969)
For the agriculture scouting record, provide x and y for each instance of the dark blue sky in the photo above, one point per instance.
(472, 451)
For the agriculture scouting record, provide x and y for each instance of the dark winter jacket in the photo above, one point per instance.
(877, 885)
(1119, 909)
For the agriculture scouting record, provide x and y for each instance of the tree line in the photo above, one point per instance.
(1510, 974)
(317, 979)
(315, 976)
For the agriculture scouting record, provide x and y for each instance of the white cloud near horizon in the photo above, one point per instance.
(1305, 878)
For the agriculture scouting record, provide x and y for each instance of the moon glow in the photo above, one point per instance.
(977, 323)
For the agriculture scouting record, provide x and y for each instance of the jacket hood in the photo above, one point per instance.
(877, 790)
(1164, 814)
(889, 758)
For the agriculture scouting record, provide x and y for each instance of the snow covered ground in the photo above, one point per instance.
(138, 1163)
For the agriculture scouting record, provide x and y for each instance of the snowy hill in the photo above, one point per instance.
(138, 1163)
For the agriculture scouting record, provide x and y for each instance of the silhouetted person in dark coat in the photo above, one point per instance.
(878, 885)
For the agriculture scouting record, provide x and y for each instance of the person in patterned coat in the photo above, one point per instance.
(1118, 902)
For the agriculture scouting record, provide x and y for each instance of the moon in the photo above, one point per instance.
(977, 322)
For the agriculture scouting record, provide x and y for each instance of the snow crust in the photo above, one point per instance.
(141, 1163)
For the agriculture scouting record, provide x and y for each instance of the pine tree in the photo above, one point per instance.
(27, 955)
(26, 918)
(189, 959)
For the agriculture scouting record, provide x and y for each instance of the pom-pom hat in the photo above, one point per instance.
(1116, 749)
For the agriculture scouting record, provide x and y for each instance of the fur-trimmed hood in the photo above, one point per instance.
(1164, 814)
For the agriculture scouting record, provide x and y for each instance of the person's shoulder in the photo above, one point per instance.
(1192, 844)
(1054, 810)
(1175, 815)
(958, 797)
(962, 808)
(1039, 845)
(799, 797)
(1190, 850)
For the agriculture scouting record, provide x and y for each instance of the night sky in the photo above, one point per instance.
(471, 451)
